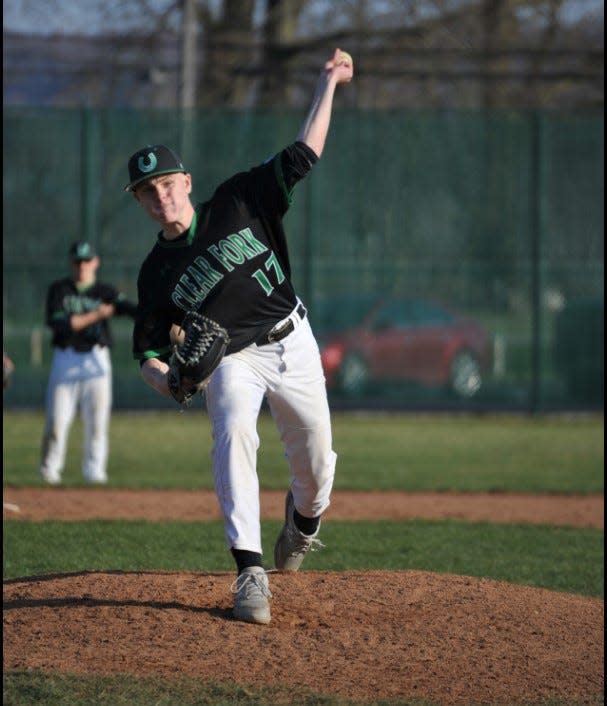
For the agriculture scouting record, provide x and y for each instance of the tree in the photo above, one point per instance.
(247, 53)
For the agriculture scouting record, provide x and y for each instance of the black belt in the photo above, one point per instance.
(282, 331)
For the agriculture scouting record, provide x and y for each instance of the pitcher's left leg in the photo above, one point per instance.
(301, 411)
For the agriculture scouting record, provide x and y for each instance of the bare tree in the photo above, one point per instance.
(244, 53)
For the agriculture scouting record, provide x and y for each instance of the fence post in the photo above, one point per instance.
(536, 265)
(89, 180)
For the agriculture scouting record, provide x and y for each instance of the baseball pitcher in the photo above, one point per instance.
(220, 269)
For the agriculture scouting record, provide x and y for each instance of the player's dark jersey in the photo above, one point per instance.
(232, 264)
(65, 298)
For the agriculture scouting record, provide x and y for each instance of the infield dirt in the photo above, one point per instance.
(363, 635)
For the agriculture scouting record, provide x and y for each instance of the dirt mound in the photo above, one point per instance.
(360, 635)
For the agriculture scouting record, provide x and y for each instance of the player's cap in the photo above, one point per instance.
(152, 161)
(81, 250)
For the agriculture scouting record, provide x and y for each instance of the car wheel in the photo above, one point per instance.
(465, 377)
(353, 375)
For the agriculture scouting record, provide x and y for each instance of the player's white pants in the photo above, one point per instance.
(289, 373)
(85, 380)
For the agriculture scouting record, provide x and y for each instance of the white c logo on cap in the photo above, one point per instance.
(145, 168)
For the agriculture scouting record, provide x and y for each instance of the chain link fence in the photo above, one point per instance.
(449, 260)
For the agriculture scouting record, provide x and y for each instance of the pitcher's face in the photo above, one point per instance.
(165, 198)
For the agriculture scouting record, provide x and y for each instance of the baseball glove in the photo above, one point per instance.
(194, 360)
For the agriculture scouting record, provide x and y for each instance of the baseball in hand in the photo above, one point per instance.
(344, 58)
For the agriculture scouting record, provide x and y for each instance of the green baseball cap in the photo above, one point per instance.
(152, 161)
(81, 250)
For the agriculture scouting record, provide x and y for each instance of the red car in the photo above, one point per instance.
(408, 340)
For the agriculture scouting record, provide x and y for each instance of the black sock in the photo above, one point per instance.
(307, 525)
(245, 559)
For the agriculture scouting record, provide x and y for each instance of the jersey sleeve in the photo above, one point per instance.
(296, 160)
(151, 331)
(57, 317)
(268, 188)
(124, 306)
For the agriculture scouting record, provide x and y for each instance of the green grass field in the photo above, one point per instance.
(562, 454)
(563, 559)
(25, 689)
(403, 452)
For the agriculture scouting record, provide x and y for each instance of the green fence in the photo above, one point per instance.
(496, 217)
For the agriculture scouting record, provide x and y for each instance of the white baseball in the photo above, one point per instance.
(344, 58)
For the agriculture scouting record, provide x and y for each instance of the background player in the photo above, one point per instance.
(8, 369)
(228, 258)
(78, 309)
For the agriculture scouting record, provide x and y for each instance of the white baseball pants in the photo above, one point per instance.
(85, 380)
(289, 373)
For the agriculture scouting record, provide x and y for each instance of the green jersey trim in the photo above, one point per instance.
(147, 355)
(181, 242)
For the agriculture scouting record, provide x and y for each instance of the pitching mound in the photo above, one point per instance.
(360, 635)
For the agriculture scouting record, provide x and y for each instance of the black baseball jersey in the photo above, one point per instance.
(232, 264)
(65, 298)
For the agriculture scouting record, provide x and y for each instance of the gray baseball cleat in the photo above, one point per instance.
(292, 545)
(252, 592)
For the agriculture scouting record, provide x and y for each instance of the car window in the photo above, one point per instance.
(405, 313)
(393, 314)
(338, 312)
(426, 313)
